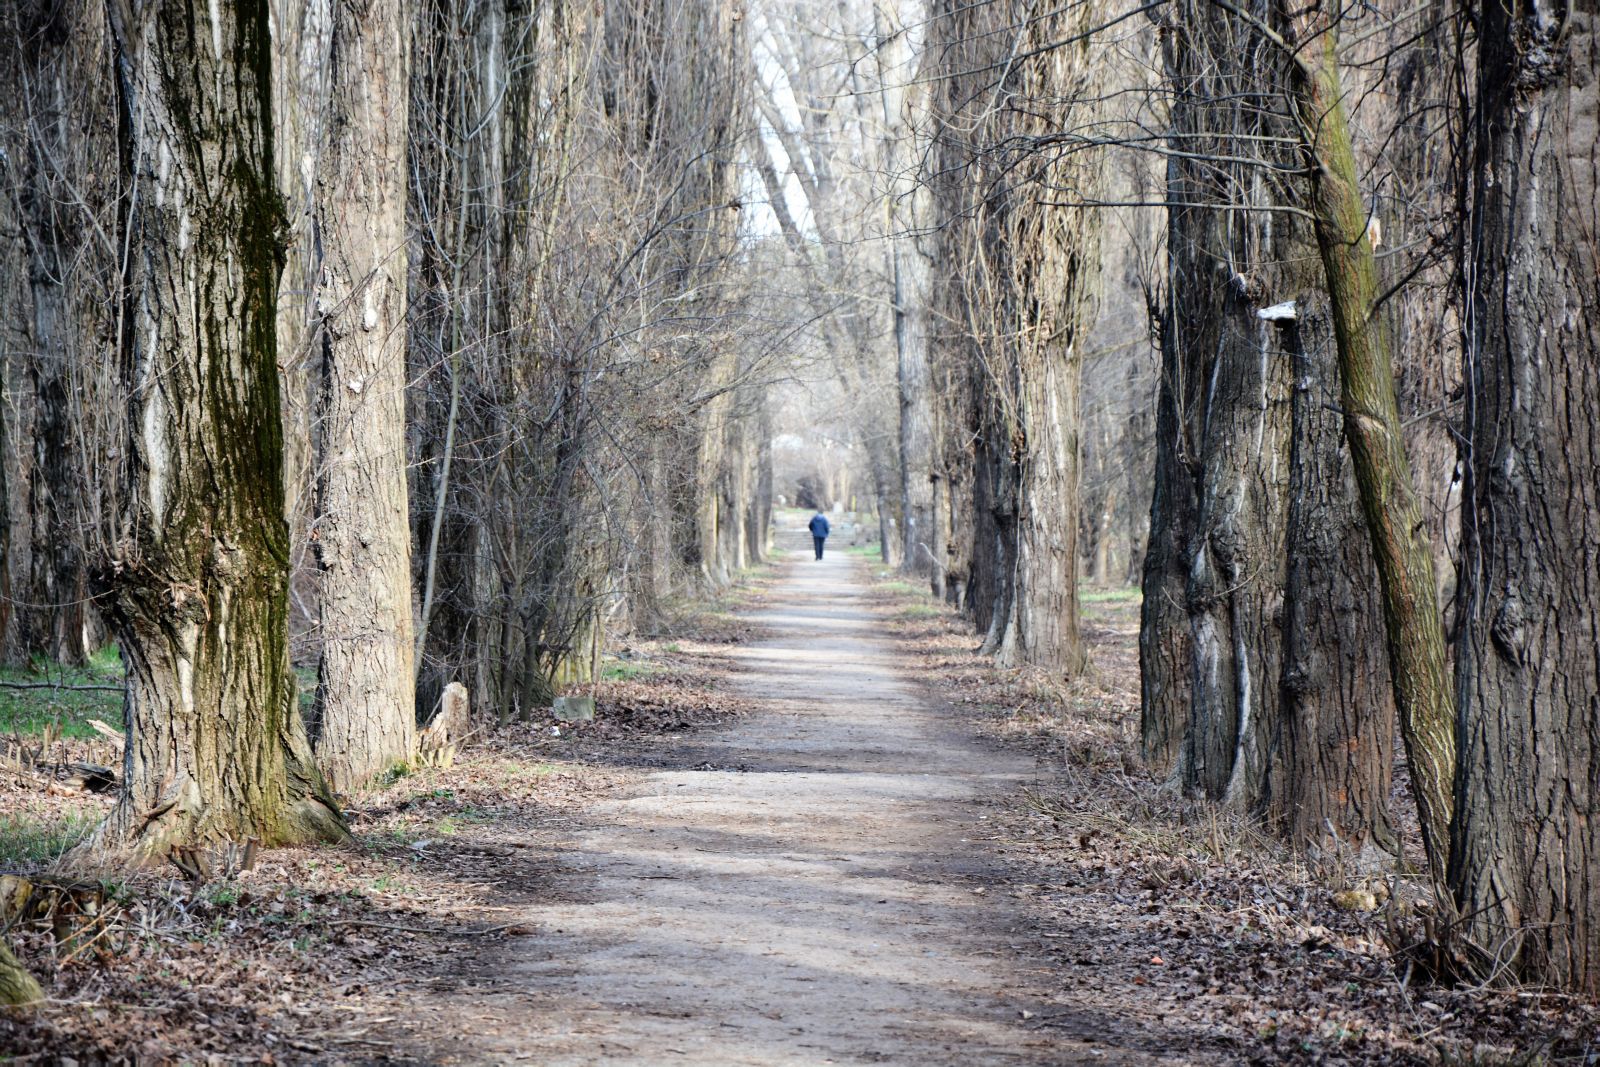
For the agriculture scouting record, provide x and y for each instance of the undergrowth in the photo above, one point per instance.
(57, 703)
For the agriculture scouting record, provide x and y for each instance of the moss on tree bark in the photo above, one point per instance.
(197, 577)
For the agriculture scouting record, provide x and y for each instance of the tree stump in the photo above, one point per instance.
(574, 709)
(451, 726)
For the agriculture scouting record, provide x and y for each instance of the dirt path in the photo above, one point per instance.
(810, 886)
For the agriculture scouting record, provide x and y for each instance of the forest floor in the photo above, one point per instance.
(808, 826)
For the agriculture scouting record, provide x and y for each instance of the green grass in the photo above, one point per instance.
(918, 611)
(624, 671)
(306, 679)
(1129, 595)
(900, 588)
(34, 840)
(30, 711)
(866, 551)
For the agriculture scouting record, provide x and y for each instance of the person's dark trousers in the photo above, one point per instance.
(818, 542)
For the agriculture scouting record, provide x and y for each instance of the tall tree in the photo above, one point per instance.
(198, 564)
(1024, 273)
(365, 686)
(1210, 641)
(1401, 546)
(1525, 842)
(1330, 791)
(63, 184)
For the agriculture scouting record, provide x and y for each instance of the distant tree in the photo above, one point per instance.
(1026, 272)
(197, 566)
(59, 175)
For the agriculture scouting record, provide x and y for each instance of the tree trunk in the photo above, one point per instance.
(68, 138)
(1236, 561)
(1166, 650)
(1336, 748)
(199, 584)
(365, 693)
(884, 491)
(301, 63)
(1526, 844)
(1038, 615)
(1224, 411)
(911, 380)
(1401, 546)
(1015, 298)
(16, 346)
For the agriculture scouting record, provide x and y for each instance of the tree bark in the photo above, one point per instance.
(365, 693)
(1210, 630)
(1401, 547)
(1331, 780)
(1223, 472)
(1165, 650)
(1526, 844)
(199, 581)
(1236, 560)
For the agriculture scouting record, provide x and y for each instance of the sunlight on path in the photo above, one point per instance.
(801, 889)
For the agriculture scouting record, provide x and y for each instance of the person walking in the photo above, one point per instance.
(819, 531)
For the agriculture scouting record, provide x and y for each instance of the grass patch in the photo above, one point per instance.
(1128, 595)
(902, 588)
(624, 671)
(39, 840)
(305, 679)
(918, 611)
(30, 711)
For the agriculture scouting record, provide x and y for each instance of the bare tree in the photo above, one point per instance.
(198, 563)
(1027, 276)
(1524, 845)
(62, 187)
(365, 688)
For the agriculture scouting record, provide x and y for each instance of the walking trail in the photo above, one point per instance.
(806, 887)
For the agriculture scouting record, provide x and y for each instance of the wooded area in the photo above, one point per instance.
(359, 350)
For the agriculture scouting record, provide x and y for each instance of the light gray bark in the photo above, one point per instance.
(365, 693)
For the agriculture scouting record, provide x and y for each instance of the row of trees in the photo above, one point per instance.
(422, 331)
(1372, 485)
(440, 334)
(1461, 135)
(1373, 495)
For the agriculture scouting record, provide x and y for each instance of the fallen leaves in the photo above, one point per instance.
(273, 964)
(1190, 926)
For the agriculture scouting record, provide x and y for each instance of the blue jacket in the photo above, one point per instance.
(819, 526)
